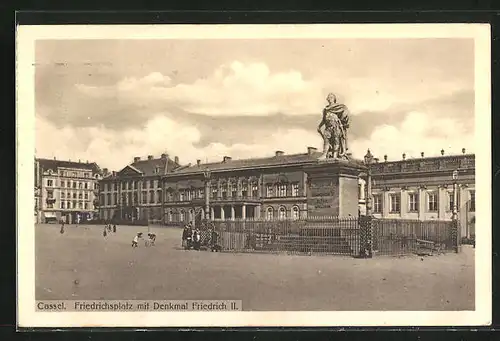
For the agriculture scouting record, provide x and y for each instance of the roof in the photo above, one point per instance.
(251, 163)
(148, 167)
(52, 164)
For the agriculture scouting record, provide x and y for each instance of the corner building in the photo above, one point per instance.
(66, 191)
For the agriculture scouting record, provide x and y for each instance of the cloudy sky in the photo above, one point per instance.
(110, 100)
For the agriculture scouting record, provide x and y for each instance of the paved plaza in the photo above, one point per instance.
(82, 264)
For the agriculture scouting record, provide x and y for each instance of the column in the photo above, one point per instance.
(257, 211)
(232, 212)
(386, 203)
(238, 187)
(207, 199)
(212, 213)
(421, 203)
(443, 201)
(222, 213)
(243, 211)
(404, 203)
(259, 186)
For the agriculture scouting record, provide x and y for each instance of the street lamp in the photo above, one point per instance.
(206, 177)
(368, 161)
(455, 210)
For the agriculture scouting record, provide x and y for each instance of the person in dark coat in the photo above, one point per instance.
(114, 228)
(196, 239)
(185, 234)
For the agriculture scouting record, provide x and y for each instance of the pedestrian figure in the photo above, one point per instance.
(62, 228)
(152, 238)
(104, 233)
(135, 241)
(185, 235)
(196, 239)
(114, 228)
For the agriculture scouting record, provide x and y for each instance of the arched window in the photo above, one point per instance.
(282, 213)
(269, 213)
(295, 212)
(169, 216)
(181, 215)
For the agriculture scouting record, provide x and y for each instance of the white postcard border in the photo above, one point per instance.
(25, 150)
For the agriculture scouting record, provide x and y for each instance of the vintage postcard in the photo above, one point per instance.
(253, 175)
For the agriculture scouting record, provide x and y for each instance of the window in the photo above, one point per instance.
(377, 203)
(50, 205)
(86, 175)
(269, 191)
(62, 204)
(115, 198)
(200, 193)
(413, 202)
(151, 183)
(123, 185)
(86, 206)
(224, 193)
(69, 204)
(244, 189)
(61, 173)
(282, 213)
(281, 190)
(214, 192)
(255, 190)
(395, 203)
(74, 195)
(108, 198)
(232, 190)
(152, 197)
(432, 201)
(74, 184)
(169, 216)
(295, 212)
(50, 183)
(80, 205)
(80, 196)
(63, 183)
(115, 187)
(50, 194)
(269, 213)
(472, 203)
(158, 197)
(80, 185)
(191, 215)
(63, 195)
(181, 196)
(295, 190)
(87, 197)
(181, 215)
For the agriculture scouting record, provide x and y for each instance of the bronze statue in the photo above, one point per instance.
(336, 122)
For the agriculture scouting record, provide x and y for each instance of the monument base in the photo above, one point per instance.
(333, 188)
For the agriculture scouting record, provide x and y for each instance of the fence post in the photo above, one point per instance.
(366, 236)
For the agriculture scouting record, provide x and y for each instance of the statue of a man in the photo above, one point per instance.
(336, 122)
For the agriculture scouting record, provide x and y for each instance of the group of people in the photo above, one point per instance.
(108, 229)
(150, 241)
(192, 239)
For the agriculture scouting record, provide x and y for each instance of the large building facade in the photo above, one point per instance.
(66, 191)
(276, 188)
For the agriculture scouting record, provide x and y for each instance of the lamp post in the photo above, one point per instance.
(455, 209)
(206, 178)
(368, 161)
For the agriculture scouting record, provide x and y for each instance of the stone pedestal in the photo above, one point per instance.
(332, 188)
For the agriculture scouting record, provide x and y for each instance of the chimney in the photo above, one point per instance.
(463, 150)
(164, 156)
(150, 157)
(113, 173)
(385, 157)
(279, 153)
(404, 156)
(137, 159)
(226, 159)
(198, 163)
(311, 150)
(422, 154)
(176, 159)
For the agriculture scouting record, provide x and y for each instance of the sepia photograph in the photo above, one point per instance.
(243, 175)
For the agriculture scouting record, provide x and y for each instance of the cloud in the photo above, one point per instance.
(416, 134)
(114, 149)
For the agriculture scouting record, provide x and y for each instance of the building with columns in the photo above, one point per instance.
(275, 187)
(66, 190)
(422, 188)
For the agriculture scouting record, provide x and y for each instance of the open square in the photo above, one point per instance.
(82, 264)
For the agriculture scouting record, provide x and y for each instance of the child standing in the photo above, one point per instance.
(135, 241)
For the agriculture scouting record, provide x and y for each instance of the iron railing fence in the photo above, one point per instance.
(400, 236)
(314, 235)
